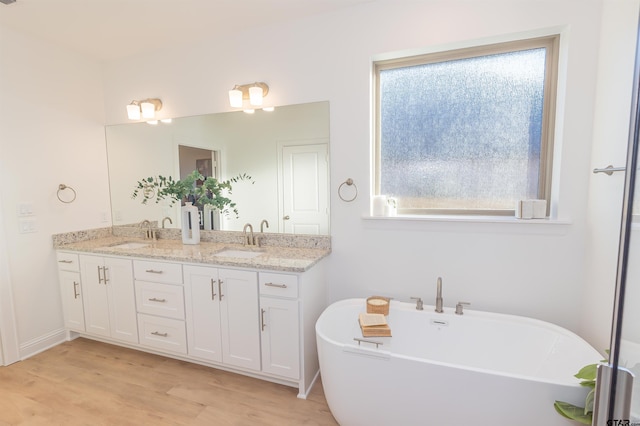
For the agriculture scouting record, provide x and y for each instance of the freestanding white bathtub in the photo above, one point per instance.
(475, 369)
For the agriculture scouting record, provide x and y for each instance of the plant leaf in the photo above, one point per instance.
(588, 383)
(588, 403)
(587, 372)
(572, 412)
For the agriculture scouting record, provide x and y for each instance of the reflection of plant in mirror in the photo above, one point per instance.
(584, 414)
(211, 191)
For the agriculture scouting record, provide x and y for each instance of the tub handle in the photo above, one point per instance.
(459, 307)
(373, 342)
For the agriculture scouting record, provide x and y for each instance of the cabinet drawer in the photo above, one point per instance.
(160, 299)
(162, 333)
(68, 262)
(282, 285)
(159, 272)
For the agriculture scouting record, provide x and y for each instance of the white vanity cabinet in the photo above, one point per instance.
(222, 315)
(71, 291)
(280, 324)
(108, 297)
(160, 304)
(250, 320)
(290, 304)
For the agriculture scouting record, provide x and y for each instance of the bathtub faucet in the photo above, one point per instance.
(439, 296)
(419, 304)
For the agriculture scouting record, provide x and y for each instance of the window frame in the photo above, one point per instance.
(550, 42)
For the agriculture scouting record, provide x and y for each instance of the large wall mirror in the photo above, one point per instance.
(285, 152)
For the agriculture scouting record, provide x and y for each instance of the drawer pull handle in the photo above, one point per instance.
(155, 299)
(275, 285)
(75, 290)
(157, 333)
(213, 290)
(153, 271)
(65, 261)
(104, 275)
(262, 311)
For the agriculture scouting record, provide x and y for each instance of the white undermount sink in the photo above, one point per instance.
(244, 254)
(129, 245)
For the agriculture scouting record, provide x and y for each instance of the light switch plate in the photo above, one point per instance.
(27, 226)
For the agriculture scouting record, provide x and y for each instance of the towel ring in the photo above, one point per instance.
(348, 182)
(62, 187)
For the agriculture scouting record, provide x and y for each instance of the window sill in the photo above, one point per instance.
(455, 222)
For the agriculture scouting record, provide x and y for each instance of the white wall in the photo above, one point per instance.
(52, 117)
(524, 269)
(51, 105)
(611, 130)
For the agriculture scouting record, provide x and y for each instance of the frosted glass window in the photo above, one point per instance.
(465, 135)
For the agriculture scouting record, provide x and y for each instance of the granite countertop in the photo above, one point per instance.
(272, 258)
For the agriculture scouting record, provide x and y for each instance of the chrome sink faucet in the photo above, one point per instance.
(165, 219)
(439, 296)
(248, 240)
(263, 223)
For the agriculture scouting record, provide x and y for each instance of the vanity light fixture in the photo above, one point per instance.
(254, 92)
(143, 109)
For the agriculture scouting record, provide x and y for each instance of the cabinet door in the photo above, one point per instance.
(122, 299)
(202, 292)
(95, 298)
(280, 337)
(240, 318)
(71, 293)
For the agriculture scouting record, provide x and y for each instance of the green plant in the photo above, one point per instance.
(211, 191)
(584, 414)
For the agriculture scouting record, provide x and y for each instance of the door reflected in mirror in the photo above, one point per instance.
(286, 153)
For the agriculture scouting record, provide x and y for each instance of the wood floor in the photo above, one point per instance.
(84, 382)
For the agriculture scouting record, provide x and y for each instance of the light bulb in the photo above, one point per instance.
(235, 98)
(255, 95)
(148, 109)
(133, 111)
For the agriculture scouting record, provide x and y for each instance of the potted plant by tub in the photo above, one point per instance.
(194, 188)
(584, 415)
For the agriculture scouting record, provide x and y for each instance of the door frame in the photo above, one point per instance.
(9, 346)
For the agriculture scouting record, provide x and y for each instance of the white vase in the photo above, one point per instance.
(190, 224)
(210, 218)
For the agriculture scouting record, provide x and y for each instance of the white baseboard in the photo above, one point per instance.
(42, 343)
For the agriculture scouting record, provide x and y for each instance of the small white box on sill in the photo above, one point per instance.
(531, 209)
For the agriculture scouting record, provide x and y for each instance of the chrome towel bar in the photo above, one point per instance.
(609, 170)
